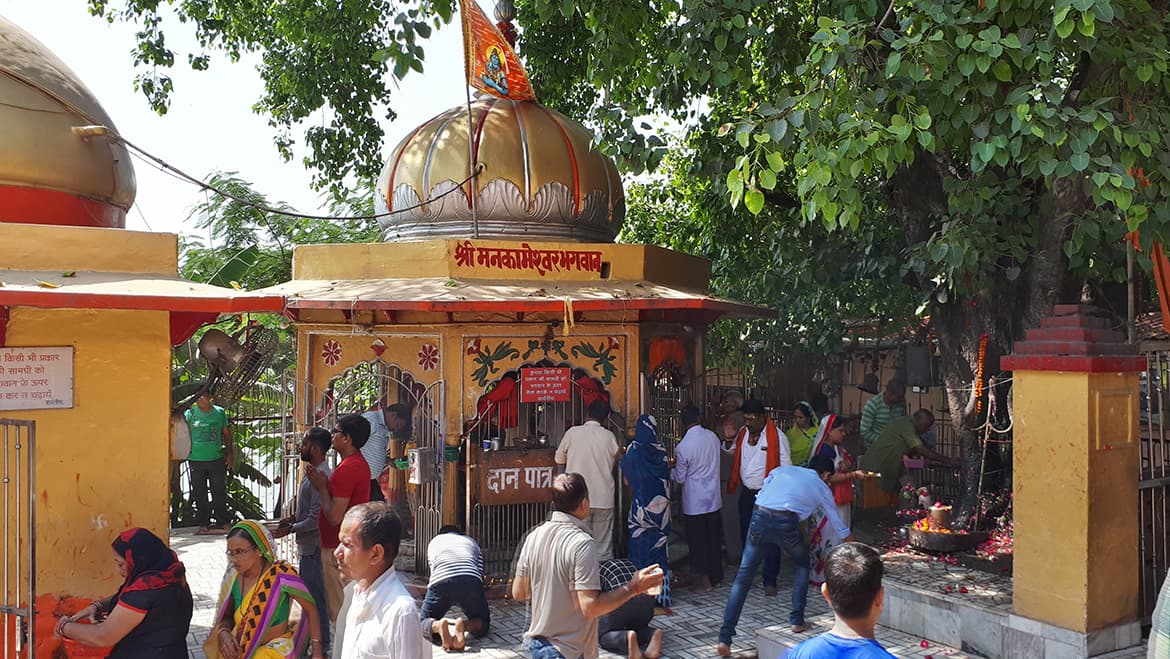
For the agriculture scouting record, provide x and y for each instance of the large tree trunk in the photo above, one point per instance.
(1002, 310)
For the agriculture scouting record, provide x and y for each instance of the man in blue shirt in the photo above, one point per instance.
(788, 497)
(853, 587)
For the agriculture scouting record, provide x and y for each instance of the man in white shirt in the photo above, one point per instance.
(382, 619)
(558, 570)
(697, 468)
(789, 496)
(591, 450)
(760, 447)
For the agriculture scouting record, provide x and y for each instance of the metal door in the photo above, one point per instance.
(371, 385)
(17, 451)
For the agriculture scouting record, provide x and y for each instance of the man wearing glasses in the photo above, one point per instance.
(348, 486)
(760, 447)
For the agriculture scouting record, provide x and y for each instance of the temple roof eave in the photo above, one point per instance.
(452, 296)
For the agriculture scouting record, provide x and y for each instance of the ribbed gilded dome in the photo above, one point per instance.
(48, 175)
(542, 178)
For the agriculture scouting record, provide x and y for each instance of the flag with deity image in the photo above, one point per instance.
(492, 66)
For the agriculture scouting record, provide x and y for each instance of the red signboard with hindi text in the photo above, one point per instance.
(545, 385)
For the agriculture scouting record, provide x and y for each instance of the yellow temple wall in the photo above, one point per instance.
(101, 467)
(88, 249)
(449, 258)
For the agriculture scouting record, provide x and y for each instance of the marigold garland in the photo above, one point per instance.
(979, 374)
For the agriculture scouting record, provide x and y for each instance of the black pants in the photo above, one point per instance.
(705, 544)
(211, 473)
(635, 615)
(376, 491)
(466, 592)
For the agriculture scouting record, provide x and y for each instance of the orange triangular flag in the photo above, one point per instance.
(492, 66)
(1162, 278)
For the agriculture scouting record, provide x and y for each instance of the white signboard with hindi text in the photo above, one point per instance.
(36, 378)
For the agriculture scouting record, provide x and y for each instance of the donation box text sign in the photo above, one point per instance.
(545, 385)
(36, 378)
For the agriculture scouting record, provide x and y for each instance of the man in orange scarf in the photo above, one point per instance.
(760, 447)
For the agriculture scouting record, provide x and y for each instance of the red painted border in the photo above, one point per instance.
(60, 299)
(532, 306)
(1074, 364)
(25, 205)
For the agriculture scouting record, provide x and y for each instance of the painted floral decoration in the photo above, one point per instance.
(378, 346)
(473, 347)
(428, 357)
(331, 352)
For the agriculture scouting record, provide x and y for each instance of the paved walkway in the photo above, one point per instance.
(691, 632)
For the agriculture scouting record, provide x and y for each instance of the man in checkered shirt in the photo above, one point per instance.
(627, 629)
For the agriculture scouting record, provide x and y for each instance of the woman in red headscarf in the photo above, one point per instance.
(149, 615)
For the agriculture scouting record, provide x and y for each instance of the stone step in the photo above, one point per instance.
(1088, 322)
(1074, 334)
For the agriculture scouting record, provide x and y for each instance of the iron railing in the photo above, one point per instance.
(17, 613)
(1153, 482)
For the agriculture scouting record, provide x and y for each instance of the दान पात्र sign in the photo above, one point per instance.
(36, 378)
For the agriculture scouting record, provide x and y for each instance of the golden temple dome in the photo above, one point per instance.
(48, 174)
(542, 178)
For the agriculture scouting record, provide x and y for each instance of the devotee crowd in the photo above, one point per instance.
(793, 494)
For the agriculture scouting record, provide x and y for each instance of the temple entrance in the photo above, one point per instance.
(510, 457)
(18, 447)
(374, 385)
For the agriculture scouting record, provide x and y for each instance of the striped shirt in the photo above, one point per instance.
(874, 417)
(454, 555)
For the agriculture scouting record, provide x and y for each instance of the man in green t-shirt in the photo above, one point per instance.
(901, 437)
(211, 453)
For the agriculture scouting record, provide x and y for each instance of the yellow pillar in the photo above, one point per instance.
(1075, 459)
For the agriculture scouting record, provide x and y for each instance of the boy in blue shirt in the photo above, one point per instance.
(853, 587)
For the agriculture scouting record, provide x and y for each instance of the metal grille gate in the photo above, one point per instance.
(501, 529)
(1154, 481)
(19, 549)
(372, 385)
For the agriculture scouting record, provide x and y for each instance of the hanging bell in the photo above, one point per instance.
(869, 384)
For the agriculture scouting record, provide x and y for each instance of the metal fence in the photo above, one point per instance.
(1153, 481)
(18, 446)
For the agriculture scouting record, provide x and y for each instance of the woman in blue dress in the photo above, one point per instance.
(646, 472)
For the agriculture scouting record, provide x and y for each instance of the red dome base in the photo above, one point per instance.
(23, 205)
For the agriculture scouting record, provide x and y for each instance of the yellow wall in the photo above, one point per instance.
(101, 467)
(436, 258)
(1075, 498)
(93, 250)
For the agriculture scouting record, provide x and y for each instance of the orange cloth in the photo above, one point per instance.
(1162, 278)
(666, 349)
(772, 435)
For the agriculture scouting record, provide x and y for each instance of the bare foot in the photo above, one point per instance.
(632, 650)
(445, 634)
(803, 627)
(460, 640)
(654, 650)
(723, 650)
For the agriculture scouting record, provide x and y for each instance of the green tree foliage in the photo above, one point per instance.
(328, 67)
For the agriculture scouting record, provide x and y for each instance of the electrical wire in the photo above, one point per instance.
(184, 176)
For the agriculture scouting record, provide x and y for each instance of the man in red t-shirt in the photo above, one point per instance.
(347, 487)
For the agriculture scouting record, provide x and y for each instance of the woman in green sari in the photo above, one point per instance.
(802, 433)
(255, 600)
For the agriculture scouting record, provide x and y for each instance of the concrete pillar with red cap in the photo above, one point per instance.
(1075, 458)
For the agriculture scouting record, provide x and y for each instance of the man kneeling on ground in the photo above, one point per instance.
(627, 630)
(456, 579)
(853, 587)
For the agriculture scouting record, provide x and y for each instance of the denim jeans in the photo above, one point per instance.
(768, 529)
(312, 573)
(747, 503)
(539, 647)
(464, 591)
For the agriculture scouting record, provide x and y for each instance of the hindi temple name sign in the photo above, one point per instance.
(36, 378)
(526, 258)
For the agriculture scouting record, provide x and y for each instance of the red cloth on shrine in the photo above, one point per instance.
(502, 402)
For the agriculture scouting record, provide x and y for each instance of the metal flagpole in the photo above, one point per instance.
(467, 44)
